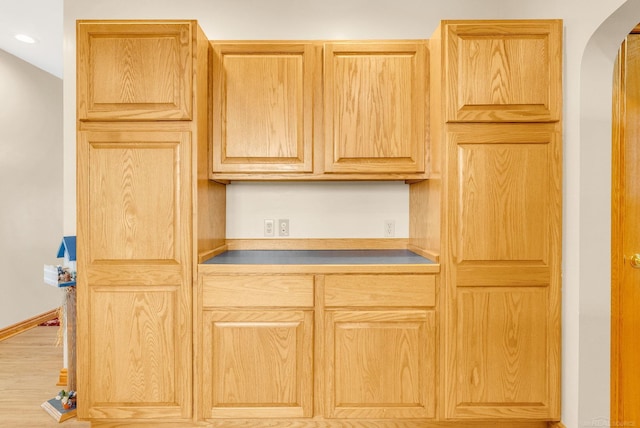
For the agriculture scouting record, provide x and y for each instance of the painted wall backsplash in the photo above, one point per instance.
(318, 210)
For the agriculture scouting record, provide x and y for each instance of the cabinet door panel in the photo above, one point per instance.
(375, 107)
(140, 365)
(504, 201)
(503, 280)
(507, 203)
(263, 107)
(381, 364)
(503, 71)
(258, 364)
(135, 195)
(134, 71)
(503, 360)
(134, 278)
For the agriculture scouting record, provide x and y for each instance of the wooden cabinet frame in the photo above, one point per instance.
(493, 327)
(380, 364)
(276, 365)
(135, 70)
(263, 106)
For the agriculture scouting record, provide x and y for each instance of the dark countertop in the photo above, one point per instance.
(318, 257)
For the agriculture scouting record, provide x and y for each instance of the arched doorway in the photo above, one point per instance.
(625, 236)
(594, 238)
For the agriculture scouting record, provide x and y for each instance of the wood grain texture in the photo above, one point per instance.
(263, 106)
(318, 175)
(27, 324)
(381, 364)
(505, 179)
(29, 366)
(502, 359)
(504, 231)
(500, 213)
(210, 269)
(324, 423)
(210, 198)
(136, 216)
(118, 373)
(424, 216)
(28, 384)
(257, 291)
(134, 70)
(617, 256)
(374, 106)
(380, 290)
(625, 242)
(510, 239)
(258, 364)
(135, 193)
(521, 67)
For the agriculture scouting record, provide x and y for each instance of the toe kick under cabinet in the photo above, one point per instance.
(317, 342)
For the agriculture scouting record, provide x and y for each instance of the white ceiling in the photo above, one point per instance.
(40, 19)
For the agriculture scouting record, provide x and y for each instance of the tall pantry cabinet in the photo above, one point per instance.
(496, 155)
(142, 166)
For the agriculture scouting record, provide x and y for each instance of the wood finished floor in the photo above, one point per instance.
(29, 367)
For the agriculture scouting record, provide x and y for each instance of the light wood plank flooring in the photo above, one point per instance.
(29, 367)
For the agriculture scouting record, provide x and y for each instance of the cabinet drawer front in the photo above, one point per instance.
(380, 290)
(257, 290)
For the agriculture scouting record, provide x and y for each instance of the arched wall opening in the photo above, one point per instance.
(594, 239)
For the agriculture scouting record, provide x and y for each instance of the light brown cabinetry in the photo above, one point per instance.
(319, 345)
(263, 106)
(373, 355)
(135, 70)
(134, 301)
(502, 71)
(380, 346)
(506, 293)
(375, 107)
(282, 112)
(258, 363)
(141, 102)
(500, 191)
(257, 346)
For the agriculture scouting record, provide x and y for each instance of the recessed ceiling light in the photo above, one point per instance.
(25, 38)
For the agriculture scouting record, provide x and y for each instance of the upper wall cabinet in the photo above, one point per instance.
(509, 71)
(375, 107)
(263, 106)
(135, 71)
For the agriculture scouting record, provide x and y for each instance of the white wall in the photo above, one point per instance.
(30, 187)
(594, 30)
(318, 210)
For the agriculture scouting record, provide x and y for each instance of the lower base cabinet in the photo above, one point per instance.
(258, 364)
(380, 364)
(306, 346)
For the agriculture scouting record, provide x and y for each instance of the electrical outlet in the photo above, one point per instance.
(269, 227)
(389, 228)
(283, 227)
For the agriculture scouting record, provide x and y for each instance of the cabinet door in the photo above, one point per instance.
(134, 273)
(263, 101)
(375, 107)
(134, 70)
(381, 364)
(509, 71)
(257, 364)
(503, 280)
